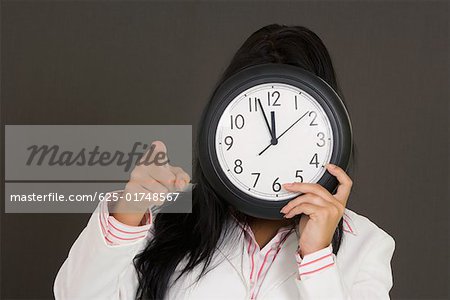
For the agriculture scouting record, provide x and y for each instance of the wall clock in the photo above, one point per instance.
(271, 124)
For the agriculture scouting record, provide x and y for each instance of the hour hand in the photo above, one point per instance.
(274, 140)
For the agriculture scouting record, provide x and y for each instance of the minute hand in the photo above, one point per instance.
(272, 134)
(298, 120)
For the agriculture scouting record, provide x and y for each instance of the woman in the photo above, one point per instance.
(320, 250)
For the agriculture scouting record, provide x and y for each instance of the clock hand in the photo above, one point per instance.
(284, 132)
(265, 118)
(274, 140)
(293, 124)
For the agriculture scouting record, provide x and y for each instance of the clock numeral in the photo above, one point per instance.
(275, 95)
(238, 166)
(314, 160)
(228, 141)
(314, 114)
(237, 121)
(257, 177)
(276, 187)
(321, 137)
(253, 104)
(297, 175)
(296, 102)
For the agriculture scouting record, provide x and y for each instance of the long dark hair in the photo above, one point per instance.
(195, 236)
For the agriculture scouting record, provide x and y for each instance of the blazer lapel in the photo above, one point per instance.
(235, 254)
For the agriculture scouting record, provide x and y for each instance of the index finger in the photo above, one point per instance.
(156, 155)
(345, 183)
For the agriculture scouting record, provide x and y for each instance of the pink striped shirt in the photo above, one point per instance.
(117, 233)
(262, 259)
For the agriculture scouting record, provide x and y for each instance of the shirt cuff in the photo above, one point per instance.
(117, 233)
(315, 262)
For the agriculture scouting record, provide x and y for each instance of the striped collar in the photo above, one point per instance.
(275, 242)
(348, 226)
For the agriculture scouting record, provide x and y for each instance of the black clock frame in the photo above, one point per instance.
(245, 79)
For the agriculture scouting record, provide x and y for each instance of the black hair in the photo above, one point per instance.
(194, 237)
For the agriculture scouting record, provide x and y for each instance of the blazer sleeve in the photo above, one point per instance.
(93, 266)
(373, 279)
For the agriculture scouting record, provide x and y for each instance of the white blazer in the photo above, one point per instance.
(95, 270)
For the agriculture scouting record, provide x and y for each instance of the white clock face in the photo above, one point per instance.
(272, 134)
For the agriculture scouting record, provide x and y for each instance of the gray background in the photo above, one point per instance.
(142, 62)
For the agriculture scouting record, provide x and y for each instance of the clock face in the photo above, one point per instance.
(271, 134)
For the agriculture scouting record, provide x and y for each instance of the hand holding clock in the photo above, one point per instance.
(321, 210)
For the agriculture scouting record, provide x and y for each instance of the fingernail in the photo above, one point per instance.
(288, 185)
(330, 166)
